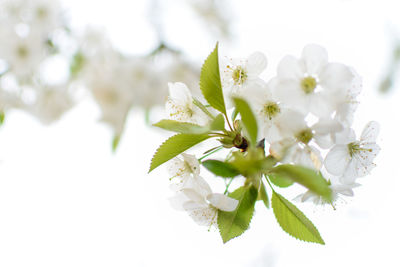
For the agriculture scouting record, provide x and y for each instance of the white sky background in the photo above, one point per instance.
(66, 200)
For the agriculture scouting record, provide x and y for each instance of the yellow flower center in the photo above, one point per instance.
(305, 136)
(22, 51)
(239, 76)
(308, 84)
(271, 109)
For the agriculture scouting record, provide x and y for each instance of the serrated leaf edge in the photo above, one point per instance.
(154, 155)
(247, 226)
(323, 242)
(219, 85)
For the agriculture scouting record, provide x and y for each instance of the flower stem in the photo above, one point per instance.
(210, 153)
(227, 186)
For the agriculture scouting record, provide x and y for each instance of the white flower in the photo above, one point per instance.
(214, 14)
(267, 109)
(45, 15)
(23, 54)
(297, 141)
(51, 102)
(194, 195)
(181, 170)
(352, 158)
(311, 84)
(241, 73)
(180, 105)
(201, 203)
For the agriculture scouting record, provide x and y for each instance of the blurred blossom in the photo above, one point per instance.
(27, 30)
(38, 44)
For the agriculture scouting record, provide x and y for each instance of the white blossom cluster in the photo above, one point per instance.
(37, 39)
(30, 31)
(120, 82)
(305, 115)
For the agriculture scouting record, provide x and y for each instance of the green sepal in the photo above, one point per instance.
(2, 117)
(115, 142)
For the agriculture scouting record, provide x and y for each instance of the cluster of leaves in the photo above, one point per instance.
(247, 159)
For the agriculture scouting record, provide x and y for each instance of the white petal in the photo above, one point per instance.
(176, 167)
(350, 174)
(289, 68)
(206, 216)
(308, 195)
(356, 85)
(280, 148)
(370, 132)
(222, 202)
(345, 190)
(336, 77)
(199, 117)
(337, 160)
(191, 194)
(306, 157)
(256, 63)
(290, 123)
(326, 126)
(290, 94)
(345, 113)
(193, 205)
(320, 104)
(271, 133)
(364, 159)
(179, 93)
(199, 185)
(323, 141)
(345, 137)
(193, 163)
(177, 201)
(315, 58)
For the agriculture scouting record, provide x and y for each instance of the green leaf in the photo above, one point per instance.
(280, 181)
(210, 82)
(248, 118)
(293, 221)
(262, 195)
(220, 168)
(306, 177)
(218, 124)
(233, 224)
(181, 127)
(174, 146)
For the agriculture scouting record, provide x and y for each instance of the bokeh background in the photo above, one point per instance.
(66, 199)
